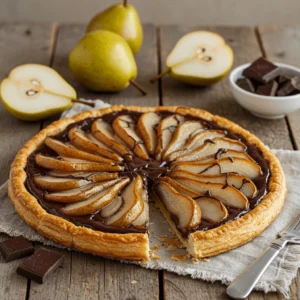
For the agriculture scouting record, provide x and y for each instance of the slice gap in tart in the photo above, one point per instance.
(228, 195)
(242, 183)
(196, 141)
(212, 209)
(132, 206)
(66, 149)
(95, 202)
(104, 133)
(87, 142)
(239, 166)
(182, 133)
(165, 130)
(146, 127)
(211, 147)
(69, 164)
(125, 128)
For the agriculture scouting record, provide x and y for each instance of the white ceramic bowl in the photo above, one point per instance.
(267, 107)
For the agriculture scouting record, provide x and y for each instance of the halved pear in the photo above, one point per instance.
(125, 128)
(211, 147)
(182, 133)
(50, 183)
(226, 153)
(228, 195)
(69, 164)
(81, 193)
(179, 187)
(146, 127)
(104, 132)
(199, 58)
(240, 166)
(212, 209)
(87, 142)
(165, 130)
(242, 183)
(195, 142)
(132, 207)
(183, 207)
(95, 202)
(91, 176)
(70, 151)
(33, 92)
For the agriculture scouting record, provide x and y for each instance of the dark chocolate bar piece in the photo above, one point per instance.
(246, 84)
(291, 87)
(283, 79)
(40, 265)
(15, 248)
(268, 89)
(262, 71)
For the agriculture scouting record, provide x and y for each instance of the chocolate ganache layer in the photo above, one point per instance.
(150, 170)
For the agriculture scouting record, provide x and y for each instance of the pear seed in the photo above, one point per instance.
(31, 92)
(207, 58)
(35, 82)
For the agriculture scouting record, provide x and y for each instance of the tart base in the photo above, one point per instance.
(135, 246)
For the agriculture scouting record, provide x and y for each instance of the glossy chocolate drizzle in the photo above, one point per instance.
(149, 170)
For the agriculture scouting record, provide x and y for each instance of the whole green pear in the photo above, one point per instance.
(103, 61)
(122, 19)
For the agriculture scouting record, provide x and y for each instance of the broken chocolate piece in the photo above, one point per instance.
(15, 248)
(291, 87)
(262, 71)
(246, 84)
(268, 89)
(40, 265)
(283, 78)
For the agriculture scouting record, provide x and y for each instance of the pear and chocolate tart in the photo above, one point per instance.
(85, 182)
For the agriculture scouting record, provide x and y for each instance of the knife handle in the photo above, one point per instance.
(242, 286)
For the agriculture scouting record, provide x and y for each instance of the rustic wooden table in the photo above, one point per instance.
(85, 276)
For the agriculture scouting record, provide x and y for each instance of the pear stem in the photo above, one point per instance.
(125, 3)
(91, 104)
(138, 87)
(160, 75)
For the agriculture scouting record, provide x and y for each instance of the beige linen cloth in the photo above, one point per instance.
(224, 267)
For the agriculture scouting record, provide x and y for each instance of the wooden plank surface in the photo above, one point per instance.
(217, 99)
(85, 276)
(281, 44)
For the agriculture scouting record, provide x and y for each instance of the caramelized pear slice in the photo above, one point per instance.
(104, 132)
(183, 207)
(240, 166)
(182, 133)
(132, 207)
(195, 142)
(212, 209)
(80, 194)
(146, 127)
(179, 187)
(87, 142)
(228, 195)
(49, 183)
(112, 207)
(69, 165)
(124, 126)
(96, 201)
(242, 183)
(67, 150)
(211, 147)
(143, 218)
(226, 153)
(91, 176)
(165, 130)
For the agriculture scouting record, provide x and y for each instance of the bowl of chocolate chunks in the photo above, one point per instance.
(267, 89)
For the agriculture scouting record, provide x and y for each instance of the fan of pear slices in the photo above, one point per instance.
(197, 172)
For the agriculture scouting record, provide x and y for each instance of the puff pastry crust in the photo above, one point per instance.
(135, 246)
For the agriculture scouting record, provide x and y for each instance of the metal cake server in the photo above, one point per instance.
(242, 286)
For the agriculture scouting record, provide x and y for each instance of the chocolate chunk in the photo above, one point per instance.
(40, 265)
(246, 84)
(291, 87)
(262, 71)
(283, 79)
(16, 248)
(268, 89)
